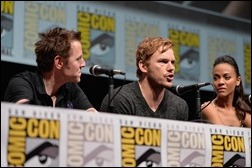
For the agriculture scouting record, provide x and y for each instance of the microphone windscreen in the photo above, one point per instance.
(91, 70)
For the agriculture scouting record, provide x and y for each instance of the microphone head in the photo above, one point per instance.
(97, 70)
(180, 90)
(92, 69)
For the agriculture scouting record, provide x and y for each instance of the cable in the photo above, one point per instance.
(209, 101)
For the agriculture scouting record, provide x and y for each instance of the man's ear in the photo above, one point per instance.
(142, 66)
(58, 62)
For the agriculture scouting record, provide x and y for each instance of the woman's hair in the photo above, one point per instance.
(148, 47)
(56, 41)
(238, 102)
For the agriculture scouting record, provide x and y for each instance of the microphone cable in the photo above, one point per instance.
(214, 95)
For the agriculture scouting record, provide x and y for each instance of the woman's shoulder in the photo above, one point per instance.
(205, 104)
(208, 108)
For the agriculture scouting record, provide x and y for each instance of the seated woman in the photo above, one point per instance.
(228, 107)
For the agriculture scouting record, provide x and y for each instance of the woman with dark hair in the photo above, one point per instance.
(228, 107)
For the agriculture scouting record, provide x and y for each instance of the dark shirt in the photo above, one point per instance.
(130, 100)
(30, 85)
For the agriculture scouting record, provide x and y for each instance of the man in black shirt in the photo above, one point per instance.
(59, 61)
(149, 96)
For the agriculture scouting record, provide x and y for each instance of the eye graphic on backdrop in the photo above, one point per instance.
(189, 59)
(102, 156)
(189, 64)
(194, 159)
(236, 161)
(42, 156)
(150, 158)
(102, 44)
(6, 25)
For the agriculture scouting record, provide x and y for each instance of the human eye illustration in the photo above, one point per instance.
(189, 59)
(102, 44)
(102, 156)
(6, 25)
(236, 161)
(194, 159)
(42, 156)
(150, 158)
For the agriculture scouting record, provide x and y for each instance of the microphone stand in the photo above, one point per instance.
(198, 104)
(110, 92)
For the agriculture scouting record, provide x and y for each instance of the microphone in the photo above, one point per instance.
(180, 90)
(97, 70)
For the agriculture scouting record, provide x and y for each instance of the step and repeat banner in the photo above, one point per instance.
(55, 137)
(112, 32)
